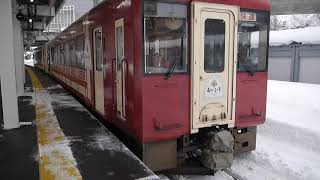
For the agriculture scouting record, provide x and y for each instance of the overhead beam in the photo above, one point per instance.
(43, 37)
(46, 11)
(52, 2)
(37, 26)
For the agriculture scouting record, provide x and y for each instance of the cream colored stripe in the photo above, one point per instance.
(56, 160)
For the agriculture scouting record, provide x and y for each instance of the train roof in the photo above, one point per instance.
(247, 4)
(77, 26)
(256, 4)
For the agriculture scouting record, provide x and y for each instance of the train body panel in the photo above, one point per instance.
(132, 63)
(251, 99)
(166, 107)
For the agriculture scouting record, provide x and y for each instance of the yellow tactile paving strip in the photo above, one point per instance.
(55, 156)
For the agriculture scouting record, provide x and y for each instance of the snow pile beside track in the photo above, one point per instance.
(220, 175)
(295, 104)
(288, 143)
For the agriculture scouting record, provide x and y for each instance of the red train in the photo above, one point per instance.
(181, 78)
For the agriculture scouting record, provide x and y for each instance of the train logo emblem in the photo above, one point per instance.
(214, 88)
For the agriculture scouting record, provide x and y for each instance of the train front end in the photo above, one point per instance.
(205, 67)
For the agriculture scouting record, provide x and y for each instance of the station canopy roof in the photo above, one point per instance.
(35, 16)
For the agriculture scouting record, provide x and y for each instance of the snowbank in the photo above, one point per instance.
(295, 104)
(288, 143)
(309, 35)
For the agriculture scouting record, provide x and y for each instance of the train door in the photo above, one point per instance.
(98, 70)
(213, 65)
(120, 74)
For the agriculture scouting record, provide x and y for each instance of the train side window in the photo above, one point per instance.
(67, 47)
(62, 54)
(98, 49)
(214, 46)
(72, 53)
(165, 32)
(52, 55)
(58, 55)
(80, 52)
(253, 42)
(120, 45)
(54, 60)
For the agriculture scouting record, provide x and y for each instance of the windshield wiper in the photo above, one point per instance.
(250, 72)
(172, 66)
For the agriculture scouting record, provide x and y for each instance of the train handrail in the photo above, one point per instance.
(104, 73)
(113, 76)
(124, 60)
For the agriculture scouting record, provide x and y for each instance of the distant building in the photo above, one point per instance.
(70, 12)
(294, 55)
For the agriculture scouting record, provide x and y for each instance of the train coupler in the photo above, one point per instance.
(217, 152)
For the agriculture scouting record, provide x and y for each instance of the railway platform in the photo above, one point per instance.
(61, 139)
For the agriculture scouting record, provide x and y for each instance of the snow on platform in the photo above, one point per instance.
(73, 144)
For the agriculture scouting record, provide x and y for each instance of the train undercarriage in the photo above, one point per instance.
(211, 148)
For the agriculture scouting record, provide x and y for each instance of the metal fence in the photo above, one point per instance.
(296, 63)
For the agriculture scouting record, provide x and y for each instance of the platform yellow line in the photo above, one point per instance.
(56, 160)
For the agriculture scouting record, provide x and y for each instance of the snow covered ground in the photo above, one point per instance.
(288, 144)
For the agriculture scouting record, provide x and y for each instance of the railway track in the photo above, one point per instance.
(233, 175)
(171, 176)
(194, 171)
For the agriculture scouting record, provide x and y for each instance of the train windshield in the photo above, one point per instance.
(165, 38)
(253, 32)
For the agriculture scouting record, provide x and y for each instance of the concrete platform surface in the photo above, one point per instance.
(62, 139)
